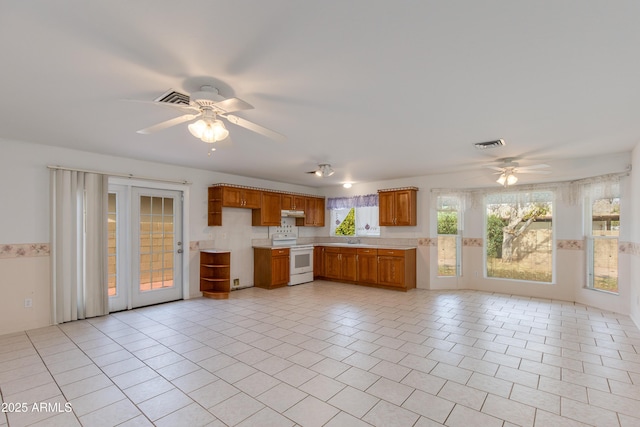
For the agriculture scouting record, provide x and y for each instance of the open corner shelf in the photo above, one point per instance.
(215, 273)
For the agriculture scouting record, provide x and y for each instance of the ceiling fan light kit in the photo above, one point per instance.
(508, 168)
(209, 130)
(507, 178)
(324, 170)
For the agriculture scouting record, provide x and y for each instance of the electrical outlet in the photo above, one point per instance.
(28, 303)
(236, 282)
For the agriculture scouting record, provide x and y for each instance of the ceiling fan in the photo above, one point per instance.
(324, 170)
(507, 168)
(206, 106)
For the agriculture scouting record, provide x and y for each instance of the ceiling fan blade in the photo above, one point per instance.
(495, 168)
(168, 123)
(255, 128)
(232, 104)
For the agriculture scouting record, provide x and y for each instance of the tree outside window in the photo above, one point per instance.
(449, 237)
(347, 226)
(519, 236)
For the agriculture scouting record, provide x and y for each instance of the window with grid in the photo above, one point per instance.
(603, 230)
(519, 235)
(449, 229)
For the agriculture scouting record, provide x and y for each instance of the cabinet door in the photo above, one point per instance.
(269, 212)
(286, 202)
(318, 219)
(349, 267)
(367, 268)
(405, 209)
(391, 271)
(309, 211)
(271, 208)
(332, 265)
(251, 199)
(386, 212)
(293, 202)
(279, 270)
(299, 203)
(314, 212)
(232, 197)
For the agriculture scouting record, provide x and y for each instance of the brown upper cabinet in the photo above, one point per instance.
(265, 204)
(398, 207)
(314, 212)
(233, 197)
(269, 212)
(293, 202)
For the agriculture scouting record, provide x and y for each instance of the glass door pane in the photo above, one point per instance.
(157, 242)
(159, 246)
(112, 245)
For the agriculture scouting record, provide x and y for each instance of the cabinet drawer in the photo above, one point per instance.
(280, 252)
(332, 249)
(367, 251)
(391, 252)
(348, 251)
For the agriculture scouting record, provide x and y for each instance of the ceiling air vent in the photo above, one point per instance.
(489, 144)
(173, 97)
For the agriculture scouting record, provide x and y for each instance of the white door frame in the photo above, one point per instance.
(140, 298)
(125, 185)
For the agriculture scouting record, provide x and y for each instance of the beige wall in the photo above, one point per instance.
(24, 277)
(24, 179)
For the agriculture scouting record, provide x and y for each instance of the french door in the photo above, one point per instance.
(145, 246)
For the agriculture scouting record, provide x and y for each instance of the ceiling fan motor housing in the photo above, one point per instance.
(207, 96)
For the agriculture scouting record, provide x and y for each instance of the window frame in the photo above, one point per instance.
(518, 193)
(458, 240)
(355, 203)
(590, 240)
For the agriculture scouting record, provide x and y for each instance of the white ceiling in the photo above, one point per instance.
(379, 89)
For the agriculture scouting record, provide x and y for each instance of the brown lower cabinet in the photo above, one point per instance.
(270, 267)
(367, 260)
(379, 267)
(396, 268)
(340, 263)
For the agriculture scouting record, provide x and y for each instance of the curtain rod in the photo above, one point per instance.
(121, 175)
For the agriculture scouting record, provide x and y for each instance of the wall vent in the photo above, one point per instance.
(489, 144)
(173, 97)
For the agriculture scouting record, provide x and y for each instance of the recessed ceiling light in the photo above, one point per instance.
(347, 185)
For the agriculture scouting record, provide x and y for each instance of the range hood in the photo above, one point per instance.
(291, 214)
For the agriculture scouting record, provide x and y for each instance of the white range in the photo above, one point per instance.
(301, 256)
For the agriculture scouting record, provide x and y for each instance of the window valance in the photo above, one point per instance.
(367, 200)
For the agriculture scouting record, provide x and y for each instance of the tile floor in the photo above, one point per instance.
(328, 354)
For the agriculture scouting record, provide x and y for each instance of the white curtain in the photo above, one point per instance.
(367, 222)
(78, 245)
